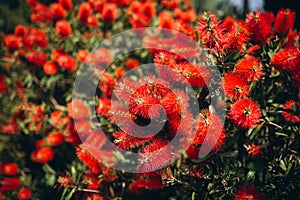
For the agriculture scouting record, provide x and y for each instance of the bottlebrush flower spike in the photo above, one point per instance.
(125, 141)
(251, 193)
(67, 62)
(254, 151)
(145, 181)
(132, 63)
(9, 184)
(64, 180)
(285, 20)
(50, 68)
(245, 113)
(291, 111)
(88, 160)
(210, 32)
(259, 27)
(24, 194)
(36, 58)
(235, 87)
(155, 158)
(67, 4)
(109, 12)
(57, 11)
(10, 169)
(63, 28)
(209, 123)
(77, 109)
(42, 155)
(287, 59)
(12, 42)
(166, 20)
(84, 12)
(250, 68)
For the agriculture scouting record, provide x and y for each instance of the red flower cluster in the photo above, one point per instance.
(245, 113)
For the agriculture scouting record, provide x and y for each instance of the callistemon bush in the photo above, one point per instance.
(51, 148)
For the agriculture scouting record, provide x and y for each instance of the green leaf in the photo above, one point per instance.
(68, 193)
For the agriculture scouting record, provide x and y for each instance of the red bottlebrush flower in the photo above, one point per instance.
(39, 143)
(285, 20)
(3, 85)
(141, 101)
(64, 180)
(40, 12)
(10, 127)
(57, 11)
(83, 127)
(166, 20)
(20, 30)
(209, 126)
(24, 194)
(50, 68)
(195, 74)
(42, 155)
(92, 181)
(251, 193)
(119, 72)
(170, 4)
(55, 139)
(175, 102)
(8, 184)
(96, 139)
(245, 113)
(84, 12)
(12, 42)
(186, 29)
(259, 27)
(252, 50)
(32, 2)
(125, 141)
(287, 59)
(293, 39)
(109, 12)
(250, 68)
(56, 53)
(210, 32)
(101, 56)
(193, 152)
(92, 21)
(106, 85)
(97, 5)
(103, 107)
(291, 111)
(148, 10)
(155, 156)
(77, 109)
(67, 4)
(88, 160)
(254, 151)
(132, 63)
(187, 16)
(63, 28)
(235, 87)
(82, 54)
(145, 181)
(237, 37)
(67, 62)
(10, 169)
(36, 58)
(38, 37)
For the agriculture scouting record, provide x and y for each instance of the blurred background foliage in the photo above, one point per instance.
(13, 12)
